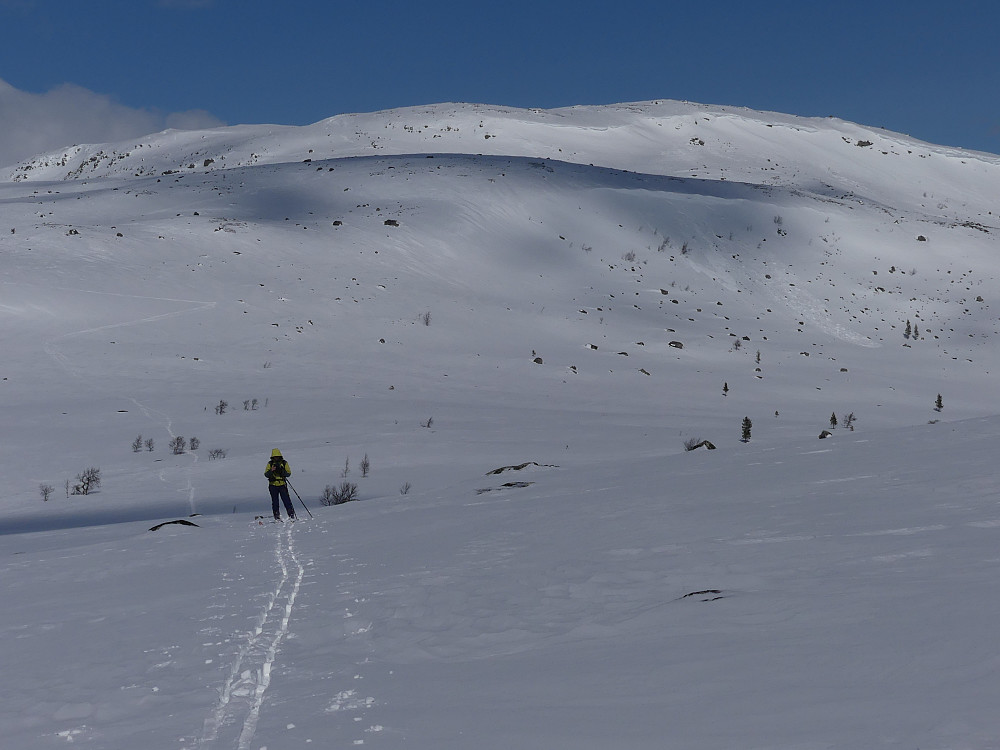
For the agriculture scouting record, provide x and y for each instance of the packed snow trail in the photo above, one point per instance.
(71, 366)
(242, 695)
(187, 488)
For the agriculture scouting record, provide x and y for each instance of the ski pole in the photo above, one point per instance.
(300, 498)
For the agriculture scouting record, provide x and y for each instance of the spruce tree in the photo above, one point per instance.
(747, 425)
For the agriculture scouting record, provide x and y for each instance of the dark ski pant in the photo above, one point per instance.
(282, 492)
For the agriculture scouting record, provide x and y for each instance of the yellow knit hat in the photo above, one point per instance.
(275, 453)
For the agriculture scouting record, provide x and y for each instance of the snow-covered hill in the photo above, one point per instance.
(459, 288)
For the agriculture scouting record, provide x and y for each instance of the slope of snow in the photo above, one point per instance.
(583, 290)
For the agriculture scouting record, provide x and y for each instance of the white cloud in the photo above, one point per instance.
(31, 124)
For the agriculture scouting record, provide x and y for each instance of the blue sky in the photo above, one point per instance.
(930, 69)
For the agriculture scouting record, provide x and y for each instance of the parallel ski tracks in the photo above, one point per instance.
(242, 695)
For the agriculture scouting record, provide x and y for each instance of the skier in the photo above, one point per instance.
(277, 472)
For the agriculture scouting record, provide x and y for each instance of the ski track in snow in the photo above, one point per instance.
(233, 721)
(51, 346)
(168, 424)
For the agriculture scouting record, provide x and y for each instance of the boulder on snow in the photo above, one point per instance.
(825, 434)
(519, 467)
(179, 521)
(706, 444)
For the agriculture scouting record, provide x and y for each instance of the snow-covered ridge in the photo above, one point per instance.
(682, 139)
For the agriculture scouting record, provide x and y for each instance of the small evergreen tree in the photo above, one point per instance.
(833, 420)
(909, 330)
(938, 404)
(725, 389)
(747, 426)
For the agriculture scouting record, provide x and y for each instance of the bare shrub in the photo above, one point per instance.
(345, 493)
(87, 480)
(327, 497)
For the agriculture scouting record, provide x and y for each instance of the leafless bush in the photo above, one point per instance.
(87, 481)
(345, 493)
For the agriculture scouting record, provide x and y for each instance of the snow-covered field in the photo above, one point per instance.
(570, 296)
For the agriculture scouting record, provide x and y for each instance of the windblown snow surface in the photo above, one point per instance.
(520, 317)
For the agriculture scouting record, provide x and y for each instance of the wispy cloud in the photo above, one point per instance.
(36, 123)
